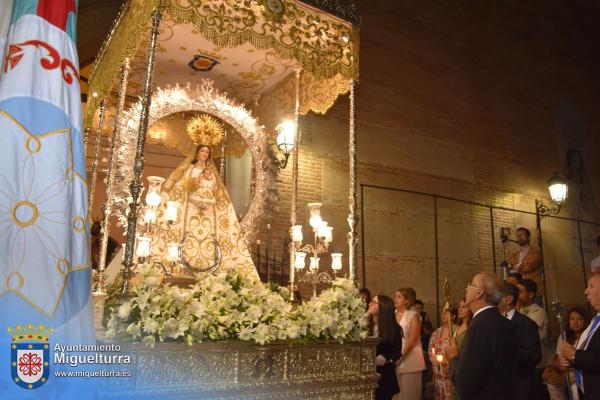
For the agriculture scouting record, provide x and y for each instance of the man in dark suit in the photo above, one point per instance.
(529, 387)
(585, 358)
(486, 368)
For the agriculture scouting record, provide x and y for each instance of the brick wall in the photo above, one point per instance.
(473, 100)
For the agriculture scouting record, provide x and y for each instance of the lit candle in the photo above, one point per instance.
(150, 215)
(171, 211)
(152, 199)
(315, 215)
(153, 194)
(297, 233)
(143, 246)
(315, 221)
(322, 228)
(336, 261)
(328, 234)
(172, 252)
(299, 259)
(314, 263)
(286, 136)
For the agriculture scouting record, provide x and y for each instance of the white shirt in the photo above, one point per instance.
(523, 253)
(587, 333)
(481, 309)
(539, 316)
(511, 314)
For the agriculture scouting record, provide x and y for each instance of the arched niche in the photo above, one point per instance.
(201, 98)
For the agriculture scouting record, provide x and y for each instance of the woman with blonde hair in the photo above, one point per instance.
(464, 318)
(412, 363)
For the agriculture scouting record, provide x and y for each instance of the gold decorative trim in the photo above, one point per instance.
(205, 129)
(203, 98)
(62, 266)
(17, 289)
(9, 278)
(315, 95)
(322, 44)
(69, 173)
(37, 144)
(37, 308)
(31, 220)
(78, 224)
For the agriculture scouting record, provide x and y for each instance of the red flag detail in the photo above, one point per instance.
(13, 56)
(56, 12)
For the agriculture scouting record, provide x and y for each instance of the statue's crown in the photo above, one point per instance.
(204, 129)
(30, 333)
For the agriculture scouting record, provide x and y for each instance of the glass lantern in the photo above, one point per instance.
(315, 215)
(286, 136)
(299, 259)
(336, 261)
(314, 263)
(172, 252)
(558, 189)
(143, 247)
(154, 187)
(171, 211)
(297, 233)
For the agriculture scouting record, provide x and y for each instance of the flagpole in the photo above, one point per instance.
(136, 185)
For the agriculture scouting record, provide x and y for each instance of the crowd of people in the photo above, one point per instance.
(492, 346)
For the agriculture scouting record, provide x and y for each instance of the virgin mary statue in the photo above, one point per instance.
(206, 216)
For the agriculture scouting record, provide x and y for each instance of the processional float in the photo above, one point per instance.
(280, 58)
(301, 56)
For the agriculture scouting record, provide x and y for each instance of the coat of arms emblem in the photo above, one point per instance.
(30, 355)
(203, 63)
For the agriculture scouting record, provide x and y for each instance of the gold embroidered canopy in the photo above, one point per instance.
(249, 48)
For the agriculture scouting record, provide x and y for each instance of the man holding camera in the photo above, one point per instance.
(528, 261)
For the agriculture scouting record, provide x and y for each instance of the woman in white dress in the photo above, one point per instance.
(412, 363)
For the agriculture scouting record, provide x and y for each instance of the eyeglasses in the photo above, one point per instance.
(469, 285)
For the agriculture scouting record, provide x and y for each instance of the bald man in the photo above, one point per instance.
(585, 357)
(486, 367)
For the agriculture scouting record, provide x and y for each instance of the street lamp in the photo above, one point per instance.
(285, 141)
(559, 190)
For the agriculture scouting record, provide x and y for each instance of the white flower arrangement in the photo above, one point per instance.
(231, 306)
(338, 313)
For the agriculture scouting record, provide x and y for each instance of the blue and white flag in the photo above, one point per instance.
(45, 296)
